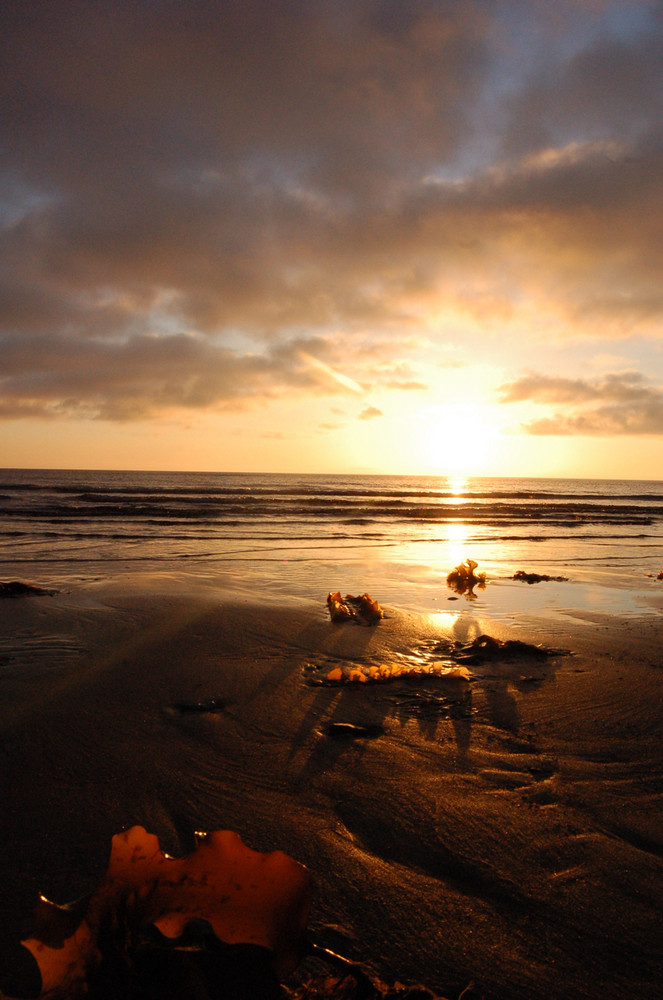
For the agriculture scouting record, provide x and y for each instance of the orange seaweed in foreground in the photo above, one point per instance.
(246, 898)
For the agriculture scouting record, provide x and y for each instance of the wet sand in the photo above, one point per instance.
(506, 831)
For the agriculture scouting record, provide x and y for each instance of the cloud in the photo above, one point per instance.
(189, 196)
(370, 413)
(397, 375)
(408, 386)
(614, 405)
(49, 376)
(611, 84)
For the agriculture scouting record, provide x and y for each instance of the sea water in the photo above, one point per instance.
(297, 536)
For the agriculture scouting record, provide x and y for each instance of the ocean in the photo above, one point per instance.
(298, 536)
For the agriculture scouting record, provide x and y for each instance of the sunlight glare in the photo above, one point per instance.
(458, 485)
(456, 543)
(457, 440)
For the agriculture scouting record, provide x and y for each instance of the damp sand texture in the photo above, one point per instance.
(504, 830)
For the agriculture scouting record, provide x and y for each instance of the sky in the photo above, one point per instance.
(385, 236)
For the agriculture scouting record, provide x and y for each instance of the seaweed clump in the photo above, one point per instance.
(362, 610)
(356, 985)
(530, 578)
(222, 912)
(486, 647)
(16, 588)
(223, 922)
(358, 673)
(463, 579)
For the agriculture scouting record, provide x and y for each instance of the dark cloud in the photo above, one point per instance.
(50, 376)
(616, 404)
(181, 179)
(612, 85)
(569, 231)
(623, 387)
(137, 90)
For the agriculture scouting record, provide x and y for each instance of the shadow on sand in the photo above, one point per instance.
(429, 692)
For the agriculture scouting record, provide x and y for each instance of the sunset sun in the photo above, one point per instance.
(456, 440)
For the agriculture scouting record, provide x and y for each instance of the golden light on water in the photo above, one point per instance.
(456, 543)
(458, 485)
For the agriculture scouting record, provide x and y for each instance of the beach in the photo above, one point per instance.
(498, 834)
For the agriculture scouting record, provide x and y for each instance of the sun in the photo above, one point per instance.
(458, 440)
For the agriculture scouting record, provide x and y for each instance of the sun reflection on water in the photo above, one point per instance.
(456, 543)
(458, 485)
